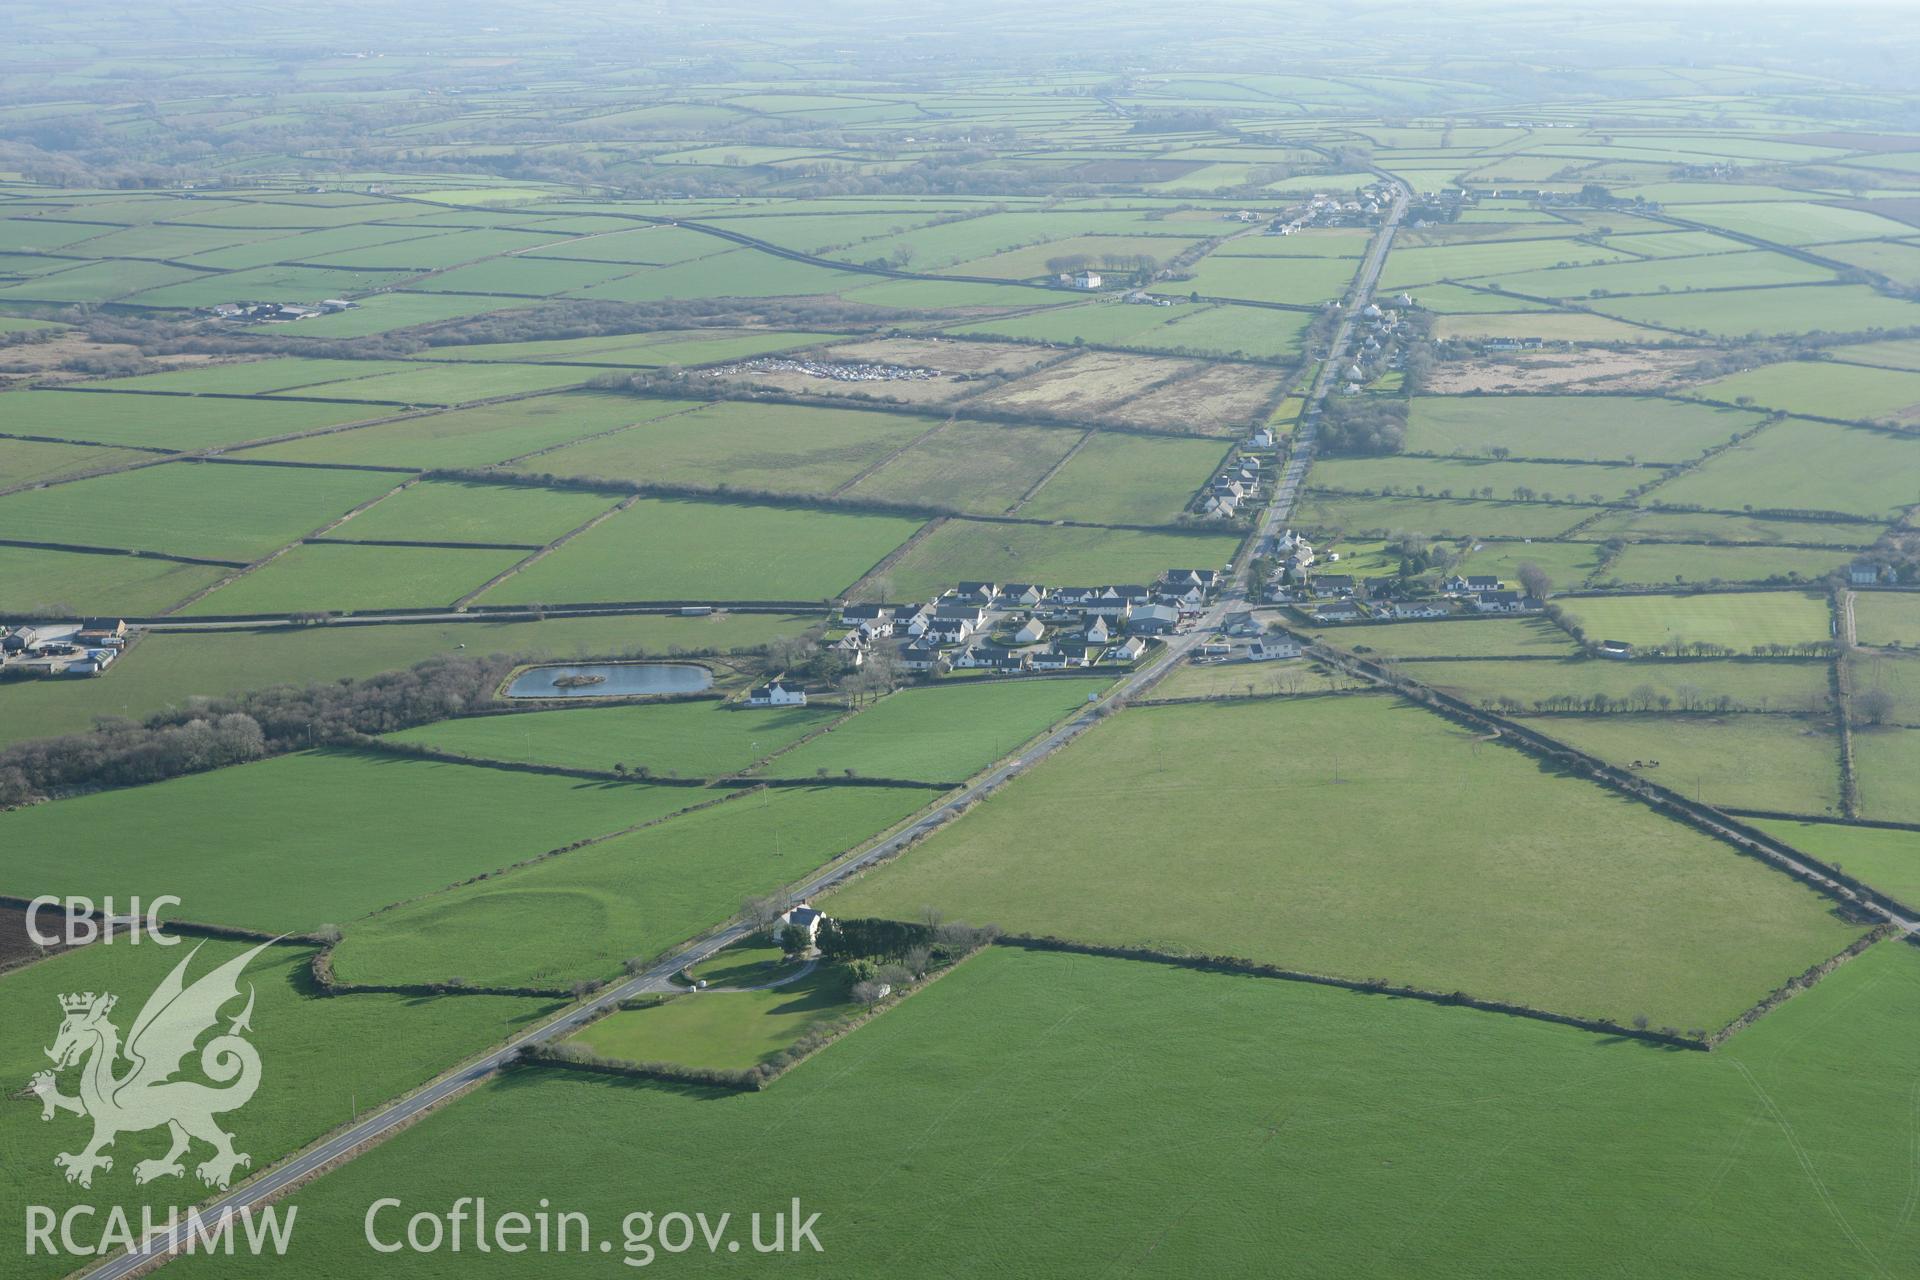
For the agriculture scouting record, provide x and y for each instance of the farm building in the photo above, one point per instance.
(776, 694)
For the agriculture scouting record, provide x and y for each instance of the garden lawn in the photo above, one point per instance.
(725, 1030)
(582, 914)
(1592, 905)
(317, 1068)
(969, 550)
(695, 739)
(672, 549)
(166, 669)
(1738, 620)
(943, 733)
(1397, 1133)
(300, 841)
(219, 512)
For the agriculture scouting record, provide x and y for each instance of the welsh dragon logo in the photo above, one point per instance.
(146, 1095)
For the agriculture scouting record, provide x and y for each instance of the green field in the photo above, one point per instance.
(1127, 479)
(1699, 526)
(220, 512)
(315, 1071)
(1886, 858)
(741, 445)
(728, 1031)
(341, 578)
(967, 550)
(972, 466)
(1435, 517)
(1788, 763)
(37, 461)
(1737, 313)
(1448, 477)
(1567, 564)
(1658, 563)
(1824, 390)
(168, 669)
(171, 422)
(1887, 618)
(1611, 428)
(305, 840)
(582, 914)
(1475, 638)
(1886, 761)
(702, 739)
(1737, 620)
(1352, 873)
(670, 549)
(75, 582)
(940, 734)
(473, 437)
(1500, 1140)
(1858, 471)
(1754, 685)
(451, 511)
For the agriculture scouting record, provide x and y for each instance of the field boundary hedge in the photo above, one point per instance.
(1798, 983)
(1372, 986)
(424, 751)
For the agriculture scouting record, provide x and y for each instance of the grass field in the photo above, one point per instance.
(730, 1030)
(1447, 477)
(1708, 526)
(700, 739)
(168, 669)
(1610, 428)
(1127, 479)
(582, 914)
(341, 578)
(1738, 620)
(474, 437)
(219, 512)
(1608, 902)
(967, 550)
(1736, 313)
(1859, 472)
(1887, 618)
(1657, 563)
(1886, 762)
(1789, 763)
(1478, 638)
(37, 461)
(668, 549)
(300, 841)
(1499, 1139)
(316, 1069)
(1554, 326)
(1886, 858)
(1303, 281)
(1567, 564)
(453, 511)
(775, 447)
(1825, 390)
(1769, 685)
(74, 582)
(1456, 518)
(972, 466)
(939, 734)
(171, 422)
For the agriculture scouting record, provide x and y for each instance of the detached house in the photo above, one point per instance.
(1328, 586)
(777, 694)
(1271, 648)
(1473, 585)
(1128, 650)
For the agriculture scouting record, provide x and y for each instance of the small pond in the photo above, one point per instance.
(609, 680)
